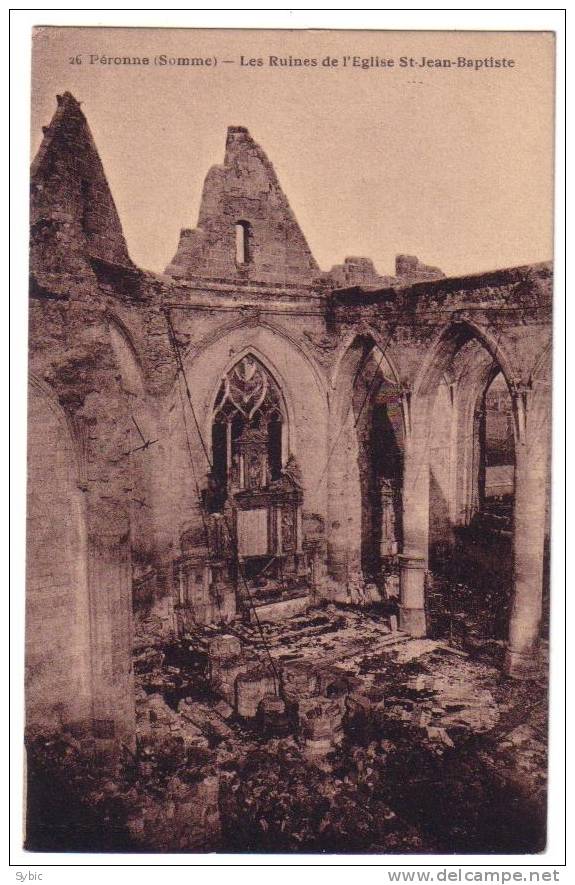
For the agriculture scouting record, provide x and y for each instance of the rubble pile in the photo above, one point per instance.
(185, 818)
(332, 734)
(164, 798)
(275, 800)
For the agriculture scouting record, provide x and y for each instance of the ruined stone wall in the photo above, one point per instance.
(58, 657)
(73, 216)
(79, 624)
(244, 190)
(306, 406)
(72, 359)
(103, 340)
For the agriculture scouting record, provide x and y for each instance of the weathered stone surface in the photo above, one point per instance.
(245, 191)
(73, 216)
(373, 377)
(251, 688)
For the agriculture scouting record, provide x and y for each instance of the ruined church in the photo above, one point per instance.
(246, 437)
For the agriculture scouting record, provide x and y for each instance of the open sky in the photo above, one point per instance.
(452, 164)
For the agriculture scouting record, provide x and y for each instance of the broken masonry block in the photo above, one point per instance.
(321, 718)
(316, 750)
(223, 674)
(225, 663)
(299, 680)
(224, 709)
(335, 682)
(421, 718)
(371, 593)
(357, 704)
(204, 718)
(251, 687)
(272, 717)
(368, 704)
(436, 733)
(223, 647)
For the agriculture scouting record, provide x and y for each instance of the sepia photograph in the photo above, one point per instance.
(289, 442)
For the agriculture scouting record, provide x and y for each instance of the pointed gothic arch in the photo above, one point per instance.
(275, 382)
(445, 345)
(345, 351)
(366, 454)
(254, 321)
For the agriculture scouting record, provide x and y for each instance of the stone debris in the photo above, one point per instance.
(342, 681)
(273, 719)
(186, 819)
(320, 724)
(223, 676)
(224, 710)
(205, 718)
(329, 756)
(252, 687)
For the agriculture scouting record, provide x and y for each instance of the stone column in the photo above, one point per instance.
(531, 465)
(344, 504)
(110, 583)
(413, 561)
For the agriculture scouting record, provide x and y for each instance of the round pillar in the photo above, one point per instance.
(528, 552)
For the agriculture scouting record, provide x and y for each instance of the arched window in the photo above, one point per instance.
(247, 430)
(243, 244)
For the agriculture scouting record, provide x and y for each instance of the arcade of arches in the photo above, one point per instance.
(247, 436)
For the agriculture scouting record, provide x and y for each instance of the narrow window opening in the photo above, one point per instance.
(275, 446)
(243, 230)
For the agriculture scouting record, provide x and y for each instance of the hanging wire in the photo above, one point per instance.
(231, 535)
(197, 485)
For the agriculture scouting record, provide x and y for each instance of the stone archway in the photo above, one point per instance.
(365, 461)
(58, 654)
(442, 449)
(461, 347)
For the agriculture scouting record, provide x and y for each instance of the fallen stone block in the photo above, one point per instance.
(299, 680)
(357, 704)
(223, 647)
(317, 749)
(373, 594)
(224, 709)
(320, 718)
(223, 673)
(205, 719)
(371, 697)
(251, 687)
(435, 733)
(272, 716)
(421, 718)
(193, 737)
(334, 682)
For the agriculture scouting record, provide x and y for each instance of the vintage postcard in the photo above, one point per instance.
(289, 429)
